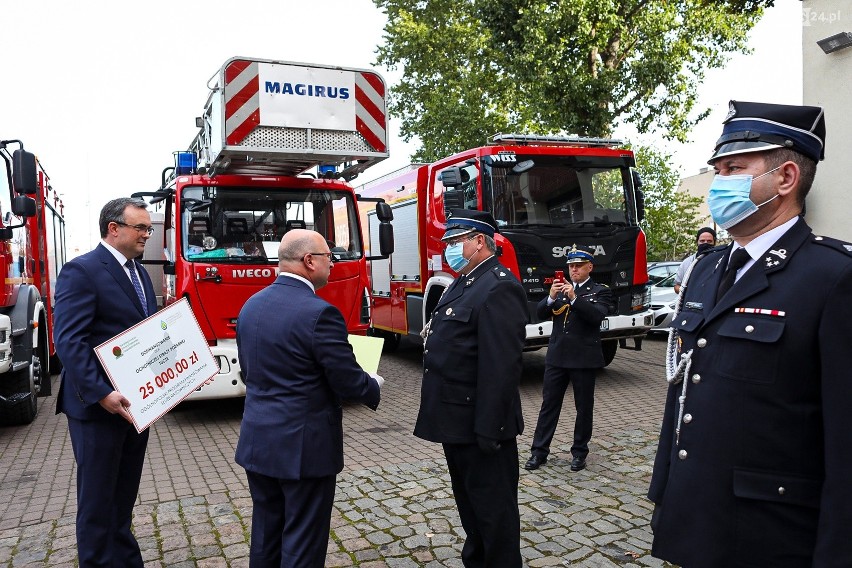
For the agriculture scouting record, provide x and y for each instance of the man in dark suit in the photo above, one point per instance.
(754, 464)
(298, 366)
(99, 295)
(573, 355)
(469, 399)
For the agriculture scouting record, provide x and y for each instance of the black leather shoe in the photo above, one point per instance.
(535, 462)
(578, 463)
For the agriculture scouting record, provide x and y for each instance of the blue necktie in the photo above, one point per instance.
(137, 284)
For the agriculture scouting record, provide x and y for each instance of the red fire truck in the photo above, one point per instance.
(245, 181)
(32, 250)
(547, 194)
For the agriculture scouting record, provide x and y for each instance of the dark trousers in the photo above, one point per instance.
(485, 487)
(109, 455)
(290, 521)
(556, 381)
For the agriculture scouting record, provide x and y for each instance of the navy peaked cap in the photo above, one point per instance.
(757, 127)
(576, 256)
(463, 221)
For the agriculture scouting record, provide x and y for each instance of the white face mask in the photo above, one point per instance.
(730, 198)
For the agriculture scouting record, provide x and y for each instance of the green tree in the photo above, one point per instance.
(671, 216)
(472, 68)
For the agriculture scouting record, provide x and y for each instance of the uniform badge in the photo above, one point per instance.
(732, 112)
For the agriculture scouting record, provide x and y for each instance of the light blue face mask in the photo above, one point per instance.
(455, 256)
(730, 199)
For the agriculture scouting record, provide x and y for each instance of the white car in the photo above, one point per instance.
(663, 298)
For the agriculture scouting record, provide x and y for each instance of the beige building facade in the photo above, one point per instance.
(827, 82)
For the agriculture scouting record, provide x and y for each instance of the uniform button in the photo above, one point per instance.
(467, 398)
(696, 378)
(683, 322)
(501, 428)
(781, 491)
(749, 328)
(701, 342)
(687, 418)
(431, 332)
(682, 454)
(425, 352)
(425, 371)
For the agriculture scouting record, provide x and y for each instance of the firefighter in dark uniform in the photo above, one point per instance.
(469, 399)
(574, 354)
(754, 464)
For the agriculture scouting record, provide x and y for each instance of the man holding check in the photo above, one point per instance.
(99, 295)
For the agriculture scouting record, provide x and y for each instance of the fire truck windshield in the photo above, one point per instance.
(245, 225)
(557, 192)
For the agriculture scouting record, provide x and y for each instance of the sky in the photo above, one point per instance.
(103, 92)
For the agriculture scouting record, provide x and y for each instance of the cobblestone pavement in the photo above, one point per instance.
(393, 505)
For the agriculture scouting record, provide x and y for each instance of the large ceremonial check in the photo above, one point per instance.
(158, 362)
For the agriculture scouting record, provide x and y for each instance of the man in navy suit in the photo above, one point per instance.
(573, 355)
(298, 366)
(99, 295)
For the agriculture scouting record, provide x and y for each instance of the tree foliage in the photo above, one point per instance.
(472, 68)
(671, 216)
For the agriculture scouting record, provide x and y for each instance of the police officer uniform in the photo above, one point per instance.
(573, 355)
(754, 463)
(472, 364)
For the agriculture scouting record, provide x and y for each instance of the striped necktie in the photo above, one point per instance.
(137, 285)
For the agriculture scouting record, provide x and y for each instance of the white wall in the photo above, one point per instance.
(827, 82)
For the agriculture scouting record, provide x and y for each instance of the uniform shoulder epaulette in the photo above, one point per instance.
(501, 272)
(836, 244)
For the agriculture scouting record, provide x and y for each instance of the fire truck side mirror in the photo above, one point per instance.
(385, 239)
(23, 206)
(458, 175)
(640, 195)
(385, 216)
(384, 212)
(453, 199)
(24, 177)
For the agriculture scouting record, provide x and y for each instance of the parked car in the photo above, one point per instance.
(658, 271)
(663, 298)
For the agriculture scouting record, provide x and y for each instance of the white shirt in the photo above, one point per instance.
(122, 260)
(301, 278)
(758, 247)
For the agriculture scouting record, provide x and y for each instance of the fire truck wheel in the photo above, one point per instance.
(391, 339)
(609, 348)
(45, 388)
(391, 342)
(22, 402)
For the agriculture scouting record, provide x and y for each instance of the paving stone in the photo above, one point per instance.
(393, 504)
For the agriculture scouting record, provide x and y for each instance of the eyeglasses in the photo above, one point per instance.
(328, 255)
(452, 242)
(148, 229)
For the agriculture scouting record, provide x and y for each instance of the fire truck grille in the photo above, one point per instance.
(306, 139)
(527, 255)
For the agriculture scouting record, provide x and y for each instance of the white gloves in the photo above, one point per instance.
(378, 378)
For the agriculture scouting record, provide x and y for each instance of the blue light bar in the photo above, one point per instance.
(185, 163)
(326, 169)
